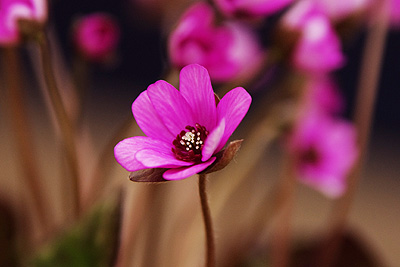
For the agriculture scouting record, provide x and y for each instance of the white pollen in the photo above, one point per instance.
(201, 142)
(187, 149)
(188, 143)
(197, 147)
(198, 133)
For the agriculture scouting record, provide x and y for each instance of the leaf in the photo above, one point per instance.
(148, 175)
(224, 156)
(92, 242)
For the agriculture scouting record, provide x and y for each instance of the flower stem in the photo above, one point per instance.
(207, 221)
(363, 115)
(22, 134)
(65, 124)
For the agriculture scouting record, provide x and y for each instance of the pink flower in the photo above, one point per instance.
(251, 8)
(341, 9)
(96, 36)
(324, 150)
(394, 13)
(318, 49)
(11, 11)
(323, 95)
(184, 129)
(227, 51)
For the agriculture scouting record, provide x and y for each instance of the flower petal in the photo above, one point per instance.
(148, 119)
(185, 172)
(157, 158)
(170, 106)
(125, 151)
(195, 87)
(232, 107)
(213, 140)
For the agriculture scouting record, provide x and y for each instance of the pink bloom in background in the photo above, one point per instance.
(184, 129)
(226, 51)
(318, 49)
(96, 36)
(324, 149)
(251, 8)
(394, 13)
(341, 9)
(323, 95)
(13, 10)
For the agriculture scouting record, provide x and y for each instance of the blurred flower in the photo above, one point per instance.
(341, 9)
(324, 149)
(246, 8)
(394, 13)
(96, 36)
(318, 49)
(12, 12)
(185, 128)
(227, 51)
(323, 95)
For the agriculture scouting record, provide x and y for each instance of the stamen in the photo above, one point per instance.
(189, 144)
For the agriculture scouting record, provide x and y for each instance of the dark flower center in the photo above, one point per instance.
(189, 143)
(310, 156)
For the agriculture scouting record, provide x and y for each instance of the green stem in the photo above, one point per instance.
(207, 221)
(65, 124)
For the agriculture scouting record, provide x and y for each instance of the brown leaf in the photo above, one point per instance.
(148, 175)
(224, 156)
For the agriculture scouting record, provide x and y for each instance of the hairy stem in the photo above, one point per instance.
(207, 221)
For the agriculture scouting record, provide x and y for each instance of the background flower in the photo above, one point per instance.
(228, 51)
(251, 9)
(13, 10)
(324, 150)
(96, 36)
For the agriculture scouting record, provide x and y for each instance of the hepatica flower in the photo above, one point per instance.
(227, 50)
(13, 11)
(186, 129)
(96, 36)
(324, 149)
(318, 49)
(249, 8)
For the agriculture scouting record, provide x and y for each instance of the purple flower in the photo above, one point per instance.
(318, 49)
(324, 149)
(248, 8)
(96, 36)
(323, 95)
(184, 129)
(341, 9)
(12, 11)
(228, 51)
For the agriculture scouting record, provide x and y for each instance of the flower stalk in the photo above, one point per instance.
(22, 134)
(210, 244)
(363, 117)
(65, 124)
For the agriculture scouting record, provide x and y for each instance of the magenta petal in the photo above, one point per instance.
(171, 106)
(195, 87)
(232, 107)
(185, 172)
(159, 158)
(213, 140)
(148, 119)
(125, 151)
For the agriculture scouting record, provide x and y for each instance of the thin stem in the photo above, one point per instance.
(22, 134)
(285, 200)
(65, 124)
(363, 116)
(207, 221)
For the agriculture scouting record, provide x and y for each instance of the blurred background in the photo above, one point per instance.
(141, 59)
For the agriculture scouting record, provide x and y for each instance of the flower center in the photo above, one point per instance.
(189, 143)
